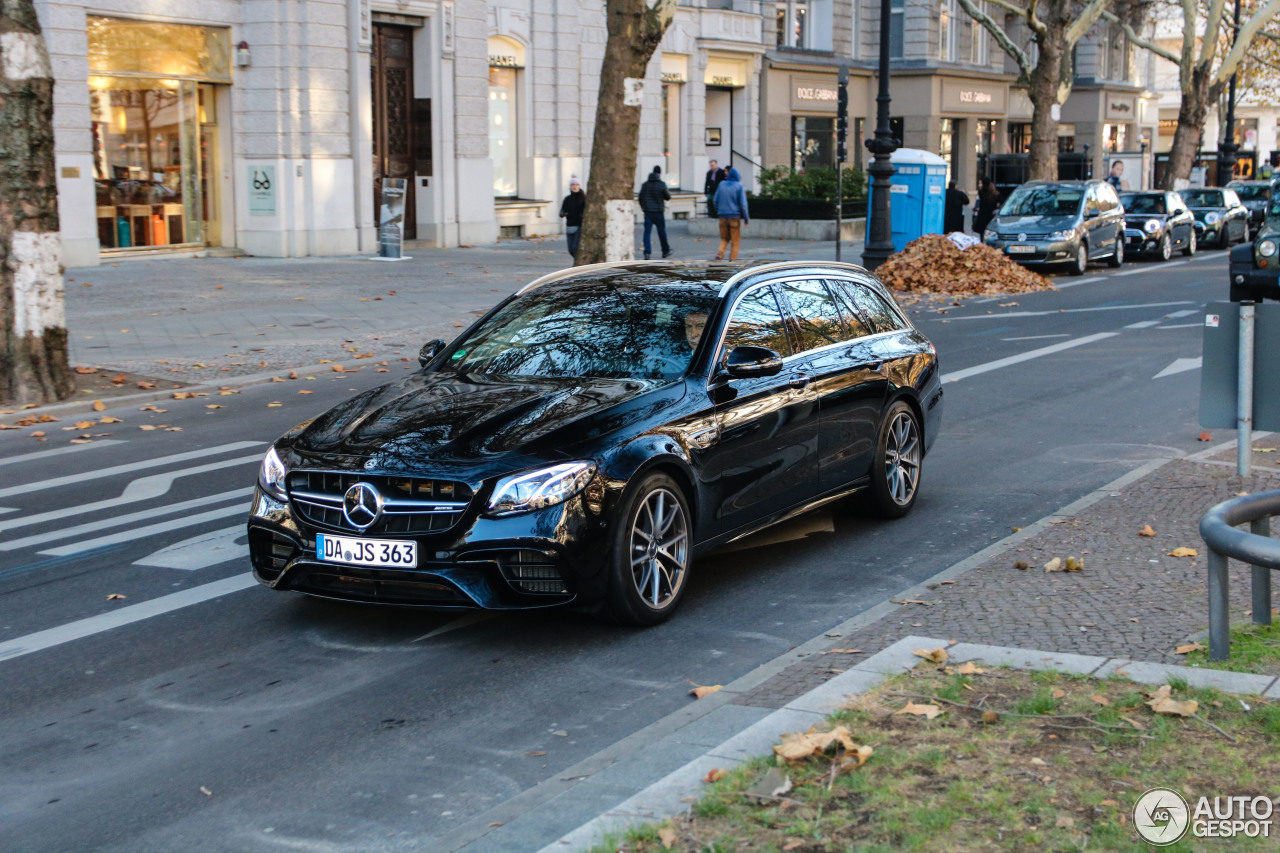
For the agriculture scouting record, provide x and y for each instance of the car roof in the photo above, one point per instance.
(720, 276)
(1074, 184)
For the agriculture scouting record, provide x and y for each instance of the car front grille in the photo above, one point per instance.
(410, 504)
(530, 571)
(270, 552)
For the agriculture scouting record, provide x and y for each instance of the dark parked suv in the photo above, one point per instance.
(1060, 222)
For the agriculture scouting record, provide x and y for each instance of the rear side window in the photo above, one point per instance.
(872, 307)
(853, 319)
(757, 321)
(816, 315)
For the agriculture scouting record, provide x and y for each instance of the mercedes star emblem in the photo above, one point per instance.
(362, 506)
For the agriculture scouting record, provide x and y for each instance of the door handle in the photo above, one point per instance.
(799, 382)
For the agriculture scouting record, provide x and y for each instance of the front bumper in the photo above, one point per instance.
(1249, 281)
(1034, 252)
(546, 558)
(1207, 233)
(1140, 241)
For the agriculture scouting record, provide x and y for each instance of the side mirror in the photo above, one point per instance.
(430, 350)
(748, 361)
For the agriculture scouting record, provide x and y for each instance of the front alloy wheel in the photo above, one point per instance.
(1165, 250)
(651, 554)
(1190, 248)
(895, 470)
(1081, 263)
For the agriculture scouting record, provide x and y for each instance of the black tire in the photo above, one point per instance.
(1190, 248)
(1081, 262)
(1117, 256)
(1224, 237)
(895, 468)
(1164, 251)
(662, 570)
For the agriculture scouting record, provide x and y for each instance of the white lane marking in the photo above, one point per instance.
(1036, 337)
(141, 489)
(58, 451)
(76, 479)
(1185, 326)
(1181, 365)
(130, 518)
(460, 622)
(1070, 311)
(149, 530)
(51, 637)
(1026, 356)
(1133, 271)
(1187, 313)
(200, 552)
(1076, 282)
(1144, 324)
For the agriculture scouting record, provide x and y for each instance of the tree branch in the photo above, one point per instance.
(1033, 20)
(1244, 40)
(1213, 24)
(1085, 22)
(1014, 52)
(1140, 41)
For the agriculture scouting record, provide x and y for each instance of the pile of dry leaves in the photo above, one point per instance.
(933, 264)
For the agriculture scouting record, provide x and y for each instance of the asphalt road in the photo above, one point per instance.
(178, 718)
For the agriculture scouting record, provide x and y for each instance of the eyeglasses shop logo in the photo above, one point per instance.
(1162, 817)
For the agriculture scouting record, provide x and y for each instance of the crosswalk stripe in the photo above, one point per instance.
(141, 489)
(105, 523)
(201, 552)
(149, 530)
(75, 479)
(58, 451)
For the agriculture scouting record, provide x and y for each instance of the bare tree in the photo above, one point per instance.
(635, 29)
(1056, 27)
(33, 334)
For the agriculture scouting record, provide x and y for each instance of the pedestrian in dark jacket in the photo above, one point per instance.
(571, 212)
(953, 209)
(714, 176)
(731, 209)
(653, 197)
(988, 203)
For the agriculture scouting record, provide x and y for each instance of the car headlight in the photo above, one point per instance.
(1061, 235)
(989, 235)
(271, 477)
(1212, 218)
(1151, 226)
(542, 488)
(1267, 248)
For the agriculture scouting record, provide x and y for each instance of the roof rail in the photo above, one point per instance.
(783, 265)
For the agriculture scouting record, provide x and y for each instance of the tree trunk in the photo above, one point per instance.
(635, 28)
(1042, 160)
(1192, 111)
(33, 335)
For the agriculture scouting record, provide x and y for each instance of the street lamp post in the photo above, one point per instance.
(1228, 147)
(879, 245)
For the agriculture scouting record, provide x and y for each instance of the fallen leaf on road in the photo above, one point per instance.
(1146, 531)
(1204, 436)
(172, 429)
(1162, 703)
(86, 370)
(913, 601)
(80, 425)
(114, 595)
(938, 655)
(537, 753)
(150, 408)
(81, 441)
(305, 391)
(1020, 565)
(715, 774)
(182, 395)
(1189, 647)
(1058, 693)
(1054, 565)
(322, 361)
(338, 368)
(274, 405)
(1183, 552)
(798, 745)
(1101, 700)
(843, 652)
(206, 791)
(990, 717)
(699, 690)
(212, 406)
(1039, 762)
(1073, 564)
(146, 427)
(927, 711)
(496, 823)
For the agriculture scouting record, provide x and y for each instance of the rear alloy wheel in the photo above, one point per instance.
(895, 469)
(1081, 263)
(1190, 248)
(1165, 250)
(651, 553)
(1117, 257)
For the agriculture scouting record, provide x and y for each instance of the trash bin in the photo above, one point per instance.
(918, 195)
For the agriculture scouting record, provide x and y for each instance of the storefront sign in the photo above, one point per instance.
(813, 93)
(973, 96)
(503, 61)
(672, 77)
(262, 190)
(1122, 107)
(969, 96)
(725, 72)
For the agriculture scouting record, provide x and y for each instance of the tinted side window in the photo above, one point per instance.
(858, 327)
(758, 322)
(816, 315)
(872, 307)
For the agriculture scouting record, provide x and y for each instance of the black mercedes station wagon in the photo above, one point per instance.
(586, 439)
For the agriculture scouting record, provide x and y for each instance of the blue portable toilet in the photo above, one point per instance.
(917, 195)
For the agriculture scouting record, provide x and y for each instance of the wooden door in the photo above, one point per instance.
(393, 144)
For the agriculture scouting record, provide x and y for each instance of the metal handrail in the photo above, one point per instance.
(1257, 548)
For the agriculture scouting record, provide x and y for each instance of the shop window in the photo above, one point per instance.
(162, 50)
(897, 17)
(946, 146)
(502, 132)
(1019, 137)
(983, 140)
(813, 142)
(1113, 138)
(1066, 138)
(671, 136)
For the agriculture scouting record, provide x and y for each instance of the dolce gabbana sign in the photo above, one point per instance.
(813, 95)
(969, 96)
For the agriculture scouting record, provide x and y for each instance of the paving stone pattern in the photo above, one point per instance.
(1130, 600)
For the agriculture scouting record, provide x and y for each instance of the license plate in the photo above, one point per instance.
(1021, 250)
(353, 551)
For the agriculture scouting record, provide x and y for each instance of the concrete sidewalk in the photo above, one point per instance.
(207, 319)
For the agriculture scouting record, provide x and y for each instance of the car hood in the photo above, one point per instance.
(450, 418)
(1139, 219)
(1034, 224)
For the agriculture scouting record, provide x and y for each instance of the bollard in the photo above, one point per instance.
(1219, 618)
(1244, 392)
(1261, 577)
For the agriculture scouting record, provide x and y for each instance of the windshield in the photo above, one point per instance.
(1151, 203)
(1043, 201)
(1203, 198)
(1250, 192)
(596, 330)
